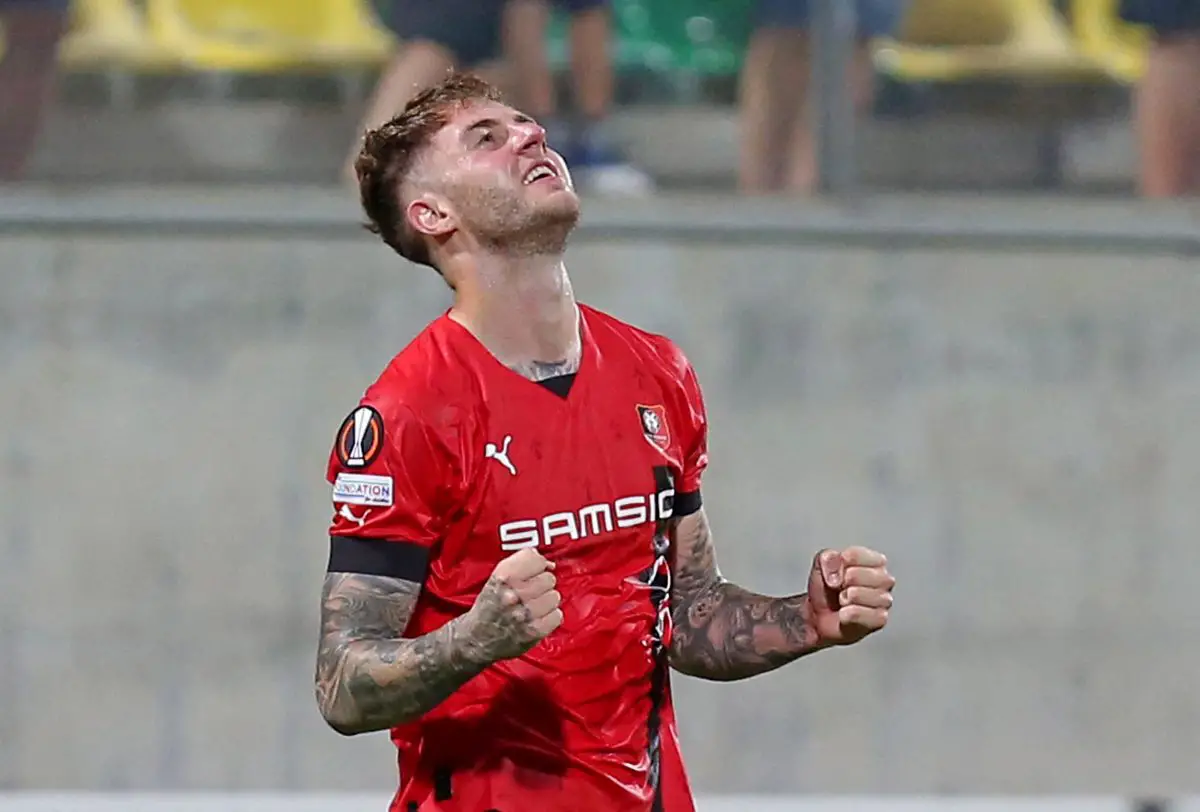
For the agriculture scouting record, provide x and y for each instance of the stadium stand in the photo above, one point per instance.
(1046, 78)
(257, 36)
(1116, 46)
(942, 41)
(108, 34)
(701, 37)
(945, 41)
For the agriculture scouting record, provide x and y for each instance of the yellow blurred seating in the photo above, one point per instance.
(110, 34)
(1118, 47)
(959, 40)
(266, 36)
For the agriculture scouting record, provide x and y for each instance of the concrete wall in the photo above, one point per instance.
(1016, 427)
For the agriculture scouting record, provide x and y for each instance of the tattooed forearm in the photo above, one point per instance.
(724, 632)
(368, 678)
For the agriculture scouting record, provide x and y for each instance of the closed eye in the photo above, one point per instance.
(483, 132)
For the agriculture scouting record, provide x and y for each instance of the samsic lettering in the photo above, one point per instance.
(592, 520)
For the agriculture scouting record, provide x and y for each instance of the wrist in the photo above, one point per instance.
(813, 639)
(472, 645)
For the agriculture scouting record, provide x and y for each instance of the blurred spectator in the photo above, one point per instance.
(29, 34)
(587, 141)
(778, 146)
(1167, 101)
(436, 38)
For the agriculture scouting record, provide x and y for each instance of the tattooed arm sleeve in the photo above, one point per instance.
(721, 631)
(368, 677)
(393, 487)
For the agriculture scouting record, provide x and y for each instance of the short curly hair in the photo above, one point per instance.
(389, 152)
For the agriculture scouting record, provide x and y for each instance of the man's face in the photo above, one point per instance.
(501, 181)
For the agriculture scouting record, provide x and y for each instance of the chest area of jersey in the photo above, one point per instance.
(571, 480)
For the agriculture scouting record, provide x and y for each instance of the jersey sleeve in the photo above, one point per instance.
(695, 435)
(392, 493)
(691, 418)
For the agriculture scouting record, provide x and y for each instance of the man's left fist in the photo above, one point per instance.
(849, 595)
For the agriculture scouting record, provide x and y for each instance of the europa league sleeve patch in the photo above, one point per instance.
(360, 439)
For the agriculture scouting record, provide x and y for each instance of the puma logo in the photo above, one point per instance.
(348, 514)
(501, 455)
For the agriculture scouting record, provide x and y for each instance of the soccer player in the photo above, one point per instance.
(519, 553)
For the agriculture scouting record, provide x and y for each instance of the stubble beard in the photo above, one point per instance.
(507, 224)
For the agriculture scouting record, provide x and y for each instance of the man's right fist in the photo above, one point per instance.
(517, 607)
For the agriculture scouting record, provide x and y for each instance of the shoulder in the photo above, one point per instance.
(424, 393)
(423, 378)
(655, 351)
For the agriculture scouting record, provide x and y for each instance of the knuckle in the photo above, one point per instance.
(865, 576)
(521, 561)
(858, 555)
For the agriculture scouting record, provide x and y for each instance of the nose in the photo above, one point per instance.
(531, 136)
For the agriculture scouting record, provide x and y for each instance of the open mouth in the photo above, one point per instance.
(540, 171)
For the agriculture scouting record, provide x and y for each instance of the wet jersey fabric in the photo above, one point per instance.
(461, 461)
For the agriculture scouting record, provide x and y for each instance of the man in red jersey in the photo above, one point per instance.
(518, 551)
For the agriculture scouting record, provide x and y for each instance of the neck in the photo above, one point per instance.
(523, 310)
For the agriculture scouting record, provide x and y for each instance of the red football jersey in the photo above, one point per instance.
(453, 451)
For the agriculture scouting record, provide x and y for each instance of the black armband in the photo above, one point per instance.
(391, 559)
(686, 504)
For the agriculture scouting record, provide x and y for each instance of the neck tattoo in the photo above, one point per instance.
(544, 370)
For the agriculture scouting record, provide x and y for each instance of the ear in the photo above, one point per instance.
(431, 216)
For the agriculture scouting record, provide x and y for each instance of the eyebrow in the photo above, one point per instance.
(488, 123)
(483, 123)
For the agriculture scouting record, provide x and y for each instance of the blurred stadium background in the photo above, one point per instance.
(976, 350)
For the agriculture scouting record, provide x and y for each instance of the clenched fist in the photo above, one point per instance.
(516, 608)
(849, 593)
